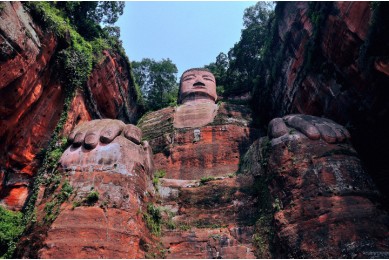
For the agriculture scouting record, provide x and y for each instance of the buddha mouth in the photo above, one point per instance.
(199, 84)
(192, 95)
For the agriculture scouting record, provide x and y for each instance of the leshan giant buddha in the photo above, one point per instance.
(322, 196)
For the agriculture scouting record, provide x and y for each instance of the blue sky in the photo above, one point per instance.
(191, 34)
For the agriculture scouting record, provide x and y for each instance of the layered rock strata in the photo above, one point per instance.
(31, 100)
(212, 219)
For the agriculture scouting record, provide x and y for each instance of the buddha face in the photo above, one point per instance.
(198, 84)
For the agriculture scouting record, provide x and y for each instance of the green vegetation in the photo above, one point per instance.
(184, 227)
(263, 236)
(254, 164)
(265, 151)
(168, 220)
(158, 217)
(10, 229)
(231, 175)
(318, 12)
(77, 26)
(157, 175)
(219, 70)
(264, 228)
(92, 197)
(2, 6)
(237, 72)
(76, 204)
(170, 224)
(157, 81)
(86, 17)
(153, 219)
(215, 236)
(206, 179)
(52, 208)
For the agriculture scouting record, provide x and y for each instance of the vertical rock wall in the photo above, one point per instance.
(32, 98)
(333, 63)
(326, 205)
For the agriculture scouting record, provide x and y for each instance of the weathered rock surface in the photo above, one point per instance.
(93, 232)
(192, 153)
(326, 204)
(342, 75)
(313, 92)
(214, 219)
(31, 102)
(209, 218)
(194, 115)
(111, 89)
(32, 98)
(109, 225)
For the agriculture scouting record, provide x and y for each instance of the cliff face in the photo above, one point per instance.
(288, 196)
(32, 98)
(103, 215)
(326, 202)
(332, 62)
(210, 210)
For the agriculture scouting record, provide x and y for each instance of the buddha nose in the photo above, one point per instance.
(198, 83)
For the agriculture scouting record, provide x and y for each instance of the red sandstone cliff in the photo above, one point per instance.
(217, 150)
(211, 211)
(32, 98)
(321, 206)
(332, 62)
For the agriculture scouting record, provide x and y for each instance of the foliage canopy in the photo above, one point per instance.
(87, 16)
(238, 71)
(10, 229)
(158, 82)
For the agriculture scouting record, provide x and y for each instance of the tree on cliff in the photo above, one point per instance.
(245, 57)
(158, 82)
(88, 15)
(219, 69)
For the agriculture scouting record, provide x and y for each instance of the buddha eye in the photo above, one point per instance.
(188, 78)
(207, 78)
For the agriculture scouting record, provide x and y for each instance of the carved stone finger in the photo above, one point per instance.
(78, 134)
(91, 139)
(345, 132)
(277, 128)
(303, 126)
(74, 132)
(326, 132)
(79, 139)
(92, 135)
(133, 133)
(340, 137)
(111, 129)
(71, 136)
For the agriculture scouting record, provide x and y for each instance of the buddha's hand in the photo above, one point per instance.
(89, 134)
(311, 126)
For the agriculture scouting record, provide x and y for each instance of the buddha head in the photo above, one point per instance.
(197, 85)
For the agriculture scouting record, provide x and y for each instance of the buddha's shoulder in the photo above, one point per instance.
(160, 119)
(231, 113)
